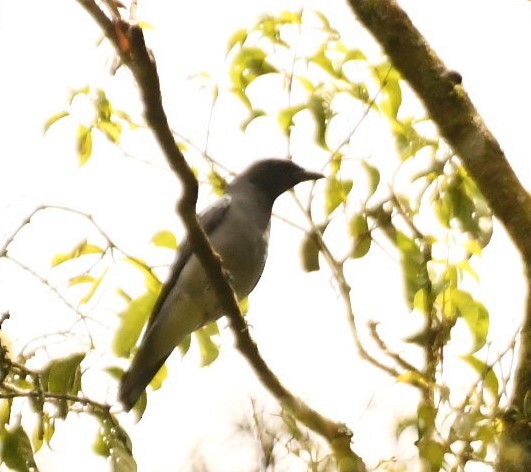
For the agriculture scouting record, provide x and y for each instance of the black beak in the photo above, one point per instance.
(309, 175)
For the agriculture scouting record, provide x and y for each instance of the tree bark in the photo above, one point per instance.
(459, 123)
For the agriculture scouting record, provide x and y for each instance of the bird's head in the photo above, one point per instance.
(272, 177)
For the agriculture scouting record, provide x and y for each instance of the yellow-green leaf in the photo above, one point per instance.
(421, 301)
(208, 347)
(285, 117)
(111, 129)
(336, 192)
(81, 279)
(152, 282)
(374, 176)
(474, 313)
(84, 143)
(132, 321)
(359, 230)
(310, 249)
(160, 377)
(237, 38)
(218, 183)
(485, 371)
(54, 119)
(17, 453)
(95, 285)
(165, 238)
(64, 375)
(81, 249)
(101, 446)
(413, 265)
(5, 412)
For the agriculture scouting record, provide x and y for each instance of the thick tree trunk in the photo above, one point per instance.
(460, 124)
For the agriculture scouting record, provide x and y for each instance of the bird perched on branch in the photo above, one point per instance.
(237, 226)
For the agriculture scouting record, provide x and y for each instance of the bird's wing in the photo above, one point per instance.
(149, 359)
(209, 220)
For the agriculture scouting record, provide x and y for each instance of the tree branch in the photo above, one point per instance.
(451, 108)
(129, 42)
(460, 124)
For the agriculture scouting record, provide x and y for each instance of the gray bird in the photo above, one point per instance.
(237, 226)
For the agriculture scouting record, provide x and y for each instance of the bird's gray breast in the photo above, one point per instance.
(241, 241)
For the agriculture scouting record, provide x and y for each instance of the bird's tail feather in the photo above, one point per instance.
(136, 379)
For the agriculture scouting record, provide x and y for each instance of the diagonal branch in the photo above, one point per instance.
(451, 108)
(129, 42)
(460, 124)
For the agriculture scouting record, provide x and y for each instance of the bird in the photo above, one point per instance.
(237, 226)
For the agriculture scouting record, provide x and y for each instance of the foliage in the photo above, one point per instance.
(428, 210)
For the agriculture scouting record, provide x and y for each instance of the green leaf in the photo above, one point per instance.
(152, 282)
(325, 24)
(43, 432)
(391, 92)
(252, 116)
(5, 412)
(355, 55)
(185, 345)
(64, 375)
(103, 106)
(310, 248)
(140, 405)
(112, 440)
(490, 379)
(244, 305)
(54, 119)
(95, 285)
(49, 428)
(310, 253)
(121, 459)
(132, 321)
(165, 238)
(475, 314)
(81, 279)
(432, 452)
(115, 372)
(111, 129)
(319, 107)
(81, 249)
(374, 177)
(17, 453)
(325, 63)
(237, 38)
(412, 378)
(159, 378)
(285, 117)
(336, 192)
(100, 446)
(393, 98)
(84, 143)
(413, 265)
(218, 183)
(421, 301)
(82, 91)
(248, 64)
(359, 229)
(208, 347)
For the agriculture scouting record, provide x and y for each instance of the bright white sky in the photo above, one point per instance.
(48, 48)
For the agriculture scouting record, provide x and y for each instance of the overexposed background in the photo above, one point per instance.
(49, 48)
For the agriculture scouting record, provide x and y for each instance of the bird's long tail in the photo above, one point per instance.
(137, 377)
